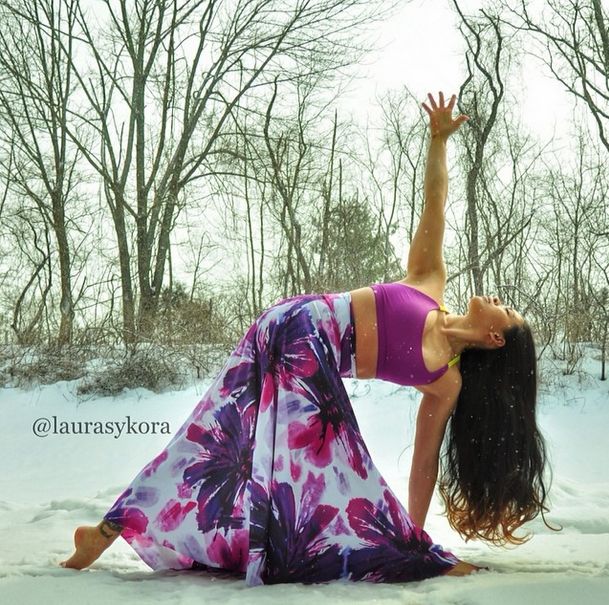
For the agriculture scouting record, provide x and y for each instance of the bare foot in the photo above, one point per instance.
(90, 543)
(463, 569)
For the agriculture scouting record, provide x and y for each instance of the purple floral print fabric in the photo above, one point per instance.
(269, 477)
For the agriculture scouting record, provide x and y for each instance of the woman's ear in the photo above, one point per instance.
(497, 339)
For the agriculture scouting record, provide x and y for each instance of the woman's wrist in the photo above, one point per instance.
(439, 137)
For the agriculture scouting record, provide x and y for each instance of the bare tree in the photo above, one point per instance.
(572, 240)
(36, 91)
(480, 97)
(393, 166)
(574, 35)
(31, 234)
(167, 76)
(289, 158)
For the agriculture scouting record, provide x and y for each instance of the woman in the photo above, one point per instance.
(270, 477)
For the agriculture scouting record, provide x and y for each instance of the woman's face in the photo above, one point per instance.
(492, 317)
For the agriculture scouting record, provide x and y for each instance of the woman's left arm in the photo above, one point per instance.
(437, 404)
(425, 256)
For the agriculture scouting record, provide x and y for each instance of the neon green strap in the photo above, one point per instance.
(454, 360)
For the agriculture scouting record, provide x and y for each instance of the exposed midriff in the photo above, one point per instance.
(366, 337)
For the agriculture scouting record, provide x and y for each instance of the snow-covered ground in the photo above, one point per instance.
(49, 485)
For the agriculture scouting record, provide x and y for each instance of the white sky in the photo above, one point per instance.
(424, 51)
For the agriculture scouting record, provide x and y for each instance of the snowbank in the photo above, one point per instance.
(49, 485)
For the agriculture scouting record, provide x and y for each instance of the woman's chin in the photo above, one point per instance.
(475, 301)
(476, 305)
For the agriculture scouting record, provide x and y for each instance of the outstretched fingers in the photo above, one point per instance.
(435, 106)
(440, 114)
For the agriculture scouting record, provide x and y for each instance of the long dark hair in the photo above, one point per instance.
(494, 456)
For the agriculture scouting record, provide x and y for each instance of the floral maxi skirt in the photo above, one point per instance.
(269, 477)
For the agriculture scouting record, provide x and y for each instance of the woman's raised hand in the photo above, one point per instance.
(441, 121)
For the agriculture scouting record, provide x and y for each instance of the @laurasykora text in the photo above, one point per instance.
(45, 426)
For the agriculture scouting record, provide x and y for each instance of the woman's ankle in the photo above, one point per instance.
(109, 529)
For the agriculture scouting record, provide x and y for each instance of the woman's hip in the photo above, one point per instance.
(327, 318)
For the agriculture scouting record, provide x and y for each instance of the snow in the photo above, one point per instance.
(50, 485)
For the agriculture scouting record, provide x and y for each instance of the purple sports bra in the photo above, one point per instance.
(401, 311)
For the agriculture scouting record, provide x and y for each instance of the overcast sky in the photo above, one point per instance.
(425, 51)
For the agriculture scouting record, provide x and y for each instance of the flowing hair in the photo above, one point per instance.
(494, 455)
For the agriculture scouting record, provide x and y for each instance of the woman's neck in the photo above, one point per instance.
(460, 333)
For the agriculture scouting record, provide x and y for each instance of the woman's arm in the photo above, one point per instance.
(434, 411)
(425, 256)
